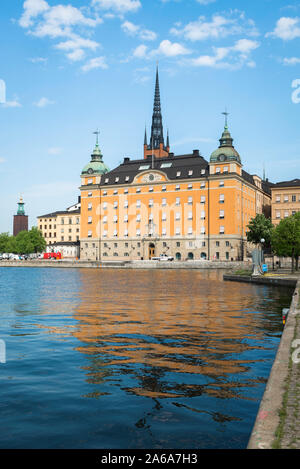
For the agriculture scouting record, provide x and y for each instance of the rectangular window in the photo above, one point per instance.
(117, 179)
(164, 202)
(164, 231)
(190, 230)
(218, 170)
(225, 169)
(115, 192)
(138, 190)
(164, 188)
(89, 219)
(222, 213)
(90, 194)
(138, 232)
(202, 171)
(178, 174)
(190, 186)
(202, 200)
(202, 229)
(190, 172)
(177, 201)
(138, 218)
(164, 217)
(203, 215)
(190, 215)
(89, 234)
(105, 219)
(150, 189)
(293, 198)
(125, 218)
(177, 231)
(222, 198)
(277, 214)
(166, 165)
(138, 204)
(125, 191)
(126, 204)
(90, 206)
(90, 181)
(151, 203)
(115, 204)
(221, 184)
(222, 230)
(177, 216)
(286, 198)
(190, 200)
(115, 219)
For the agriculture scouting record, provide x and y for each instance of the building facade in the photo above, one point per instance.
(20, 220)
(61, 230)
(183, 206)
(285, 199)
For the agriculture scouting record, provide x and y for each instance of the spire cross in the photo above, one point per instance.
(97, 132)
(226, 114)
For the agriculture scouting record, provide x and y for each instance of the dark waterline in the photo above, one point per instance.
(133, 359)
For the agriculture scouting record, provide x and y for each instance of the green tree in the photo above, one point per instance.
(4, 238)
(37, 240)
(259, 228)
(23, 243)
(286, 239)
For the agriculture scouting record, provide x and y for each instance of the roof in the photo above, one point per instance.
(292, 183)
(61, 212)
(129, 169)
(170, 166)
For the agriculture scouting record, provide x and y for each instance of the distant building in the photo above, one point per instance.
(61, 230)
(285, 199)
(20, 220)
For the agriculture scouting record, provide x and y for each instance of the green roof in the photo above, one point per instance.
(96, 165)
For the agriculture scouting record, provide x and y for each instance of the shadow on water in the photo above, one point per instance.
(134, 359)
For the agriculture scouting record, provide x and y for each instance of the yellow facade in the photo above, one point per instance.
(206, 217)
(285, 200)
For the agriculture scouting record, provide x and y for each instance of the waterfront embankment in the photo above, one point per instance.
(191, 264)
(277, 424)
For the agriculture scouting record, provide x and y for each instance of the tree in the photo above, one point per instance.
(260, 228)
(37, 240)
(4, 238)
(286, 238)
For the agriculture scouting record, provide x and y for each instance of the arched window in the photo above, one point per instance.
(190, 255)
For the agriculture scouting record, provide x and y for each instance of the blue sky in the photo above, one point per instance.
(70, 67)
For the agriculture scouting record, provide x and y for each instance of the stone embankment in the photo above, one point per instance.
(192, 264)
(277, 425)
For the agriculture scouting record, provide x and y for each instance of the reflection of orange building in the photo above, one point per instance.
(183, 206)
(118, 332)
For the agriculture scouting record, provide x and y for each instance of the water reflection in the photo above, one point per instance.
(155, 324)
(137, 358)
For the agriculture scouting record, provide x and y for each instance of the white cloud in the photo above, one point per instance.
(219, 27)
(43, 102)
(236, 56)
(11, 104)
(38, 60)
(120, 6)
(2, 160)
(205, 2)
(135, 30)
(32, 9)
(169, 49)
(60, 21)
(286, 28)
(291, 60)
(96, 62)
(140, 52)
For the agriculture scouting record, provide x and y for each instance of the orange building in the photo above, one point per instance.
(183, 206)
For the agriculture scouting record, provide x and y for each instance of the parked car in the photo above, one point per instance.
(164, 257)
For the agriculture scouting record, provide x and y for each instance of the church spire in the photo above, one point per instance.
(156, 145)
(157, 134)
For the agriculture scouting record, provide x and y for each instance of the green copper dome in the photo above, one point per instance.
(226, 150)
(96, 165)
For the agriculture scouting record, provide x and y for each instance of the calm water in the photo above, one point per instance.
(133, 359)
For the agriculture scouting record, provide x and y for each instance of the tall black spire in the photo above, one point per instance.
(157, 133)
